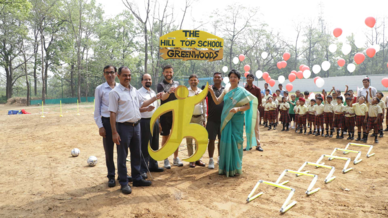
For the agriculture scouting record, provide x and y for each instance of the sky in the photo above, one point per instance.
(282, 15)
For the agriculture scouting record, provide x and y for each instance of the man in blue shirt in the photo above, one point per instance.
(265, 88)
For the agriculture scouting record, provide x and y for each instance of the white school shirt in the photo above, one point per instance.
(146, 95)
(200, 108)
(125, 103)
(101, 104)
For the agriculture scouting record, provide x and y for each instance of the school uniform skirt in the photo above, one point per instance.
(319, 120)
(339, 121)
(349, 123)
(302, 119)
(360, 121)
(328, 118)
(284, 116)
(272, 114)
(311, 118)
(261, 109)
(372, 125)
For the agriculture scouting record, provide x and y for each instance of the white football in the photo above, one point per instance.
(92, 161)
(75, 152)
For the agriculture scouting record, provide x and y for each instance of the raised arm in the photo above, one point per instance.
(216, 100)
(347, 88)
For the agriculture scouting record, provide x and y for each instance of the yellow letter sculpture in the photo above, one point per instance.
(182, 111)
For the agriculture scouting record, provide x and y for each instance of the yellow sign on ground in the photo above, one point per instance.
(191, 45)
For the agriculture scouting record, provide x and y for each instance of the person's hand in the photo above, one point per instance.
(150, 108)
(116, 138)
(347, 87)
(102, 132)
(323, 91)
(375, 121)
(172, 90)
(204, 124)
(159, 95)
(367, 93)
(333, 88)
(234, 110)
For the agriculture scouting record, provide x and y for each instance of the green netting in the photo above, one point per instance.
(64, 100)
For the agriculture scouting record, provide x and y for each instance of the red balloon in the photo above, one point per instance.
(371, 52)
(246, 74)
(305, 68)
(265, 75)
(315, 79)
(294, 72)
(299, 74)
(301, 66)
(247, 68)
(289, 87)
(292, 77)
(241, 57)
(370, 22)
(359, 58)
(271, 82)
(341, 62)
(279, 65)
(283, 64)
(286, 56)
(384, 81)
(268, 79)
(337, 32)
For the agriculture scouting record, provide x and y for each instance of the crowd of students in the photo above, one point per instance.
(326, 113)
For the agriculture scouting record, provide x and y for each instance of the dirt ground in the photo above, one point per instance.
(39, 178)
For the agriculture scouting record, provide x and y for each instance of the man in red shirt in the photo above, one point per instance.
(256, 92)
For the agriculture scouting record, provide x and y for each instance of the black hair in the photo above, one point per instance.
(285, 92)
(167, 67)
(278, 90)
(319, 98)
(378, 99)
(267, 90)
(107, 66)
(382, 95)
(215, 73)
(329, 96)
(193, 76)
(266, 84)
(340, 98)
(313, 100)
(269, 97)
(235, 72)
(306, 93)
(347, 93)
(251, 75)
(280, 84)
(349, 99)
(350, 90)
(284, 98)
(122, 68)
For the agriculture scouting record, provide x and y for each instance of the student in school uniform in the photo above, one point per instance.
(267, 95)
(350, 117)
(296, 111)
(279, 100)
(311, 116)
(291, 111)
(374, 114)
(361, 111)
(271, 108)
(339, 117)
(328, 114)
(302, 115)
(381, 104)
(386, 106)
(319, 108)
(284, 116)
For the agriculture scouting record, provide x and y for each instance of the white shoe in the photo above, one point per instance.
(211, 163)
(218, 160)
(167, 164)
(177, 162)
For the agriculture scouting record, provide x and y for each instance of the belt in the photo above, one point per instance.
(145, 118)
(105, 117)
(131, 124)
(196, 116)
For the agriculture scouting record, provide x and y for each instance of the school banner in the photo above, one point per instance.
(191, 45)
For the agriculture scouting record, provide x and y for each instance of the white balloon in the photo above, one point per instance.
(351, 68)
(235, 60)
(316, 69)
(281, 79)
(225, 69)
(306, 74)
(325, 65)
(359, 43)
(75, 152)
(259, 74)
(227, 86)
(226, 80)
(346, 49)
(332, 48)
(376, 47)
(312, 95)
(264, 55)
(92, 161)
(320, 82)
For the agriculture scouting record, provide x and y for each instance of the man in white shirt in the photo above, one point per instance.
(362, 91)
(199, 116)
(124, 107)
(101, 117)
(147, 93)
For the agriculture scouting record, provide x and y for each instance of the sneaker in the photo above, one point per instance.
(167, 164)
(177, 162)
(211, 163)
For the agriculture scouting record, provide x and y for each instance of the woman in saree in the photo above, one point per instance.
(237, 101)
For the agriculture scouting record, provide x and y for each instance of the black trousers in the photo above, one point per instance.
(130, 138)
(153, 140)
(108, 148)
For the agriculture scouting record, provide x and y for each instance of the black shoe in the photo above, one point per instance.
(365, 138)
(259, 148)
(159, 169)
(128, 177)
(141, 182)
(318, 133)
(126, 189)
(111, 182)
(144, 175)
(287, 128)
(269, 127)
(246, 149)
(381, 134)
(386, 129)
(373, 135)
(305, 131)
(310, 133)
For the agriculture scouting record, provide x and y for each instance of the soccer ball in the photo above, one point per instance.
(92, 161)
(75, 152)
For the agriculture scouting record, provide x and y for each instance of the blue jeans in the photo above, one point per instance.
(130, 138)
